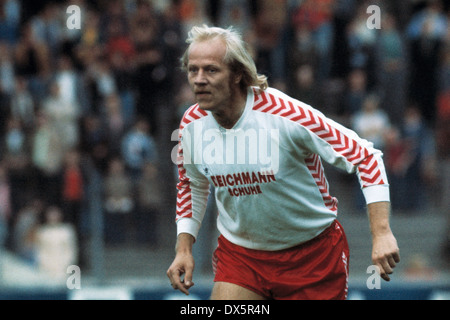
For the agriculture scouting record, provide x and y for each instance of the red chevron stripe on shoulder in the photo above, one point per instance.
(184, 195)
(341, 143)
(193, 113)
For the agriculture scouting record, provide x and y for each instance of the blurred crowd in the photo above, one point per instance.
(104, 97)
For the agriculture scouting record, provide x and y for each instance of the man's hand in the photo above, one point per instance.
(385, 251)
(183, 264)
(385, 254)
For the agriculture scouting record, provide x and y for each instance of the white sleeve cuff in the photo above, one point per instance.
(188, 225)
(377, 193)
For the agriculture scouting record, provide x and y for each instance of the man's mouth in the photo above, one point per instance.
(201, 95)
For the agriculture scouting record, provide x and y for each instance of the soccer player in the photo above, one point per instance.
(280, 238)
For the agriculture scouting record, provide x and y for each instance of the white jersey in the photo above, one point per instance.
(270, 187)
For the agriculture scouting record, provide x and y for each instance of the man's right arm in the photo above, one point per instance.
(192, 198)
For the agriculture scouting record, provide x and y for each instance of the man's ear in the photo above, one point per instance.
(237, 78)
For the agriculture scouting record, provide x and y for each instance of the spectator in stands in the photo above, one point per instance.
(22, 104)
(443, 146)
(119, 202)
(70, 83)
(355, 92)
(422, 172)
(391, 57)
(10, 18)
(7, 81)
(300, 52)
(123, 73)
(398, 157)
(183, 100)
(94, 141)
(24, 230)
(5, 205)
(151, 71)
(361, 43)
(431, 17)
(101, 81)
(62, 115)
(192, 12)
(371, 121)
(15, 151)
(269, 42)
(120, 54)
(13, 146)
(317, 17)
(234, 13)
(305, 87)
(426, 32)
(115, 122)
(31, 60)
(47, 155)
(138, 148)
(56, 244)
(48, 27)
(444, 69)
(73, 195)
(148, 201)
(89, 48)
(73, 188)
(114, 22)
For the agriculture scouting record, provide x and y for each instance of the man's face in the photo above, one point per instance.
(209, 77)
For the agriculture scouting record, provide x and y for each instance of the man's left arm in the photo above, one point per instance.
(385, 251)
(343, 148)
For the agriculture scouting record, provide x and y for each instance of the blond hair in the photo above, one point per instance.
(237, 56)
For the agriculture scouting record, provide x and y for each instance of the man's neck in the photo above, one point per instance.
(230, 116)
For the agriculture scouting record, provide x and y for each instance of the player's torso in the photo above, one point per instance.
(264, 189)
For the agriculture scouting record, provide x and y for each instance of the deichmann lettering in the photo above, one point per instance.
(243, 178)
(231, 147)
(243, 183)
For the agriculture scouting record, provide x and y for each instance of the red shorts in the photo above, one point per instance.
(315, 270)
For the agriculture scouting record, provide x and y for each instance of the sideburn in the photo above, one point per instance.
(232, 84)
(237, 71)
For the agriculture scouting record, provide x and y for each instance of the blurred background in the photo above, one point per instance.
(87, 120)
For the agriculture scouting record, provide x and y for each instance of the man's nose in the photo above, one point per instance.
(200, 78)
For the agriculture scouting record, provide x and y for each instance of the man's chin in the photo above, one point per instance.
(204, 106)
